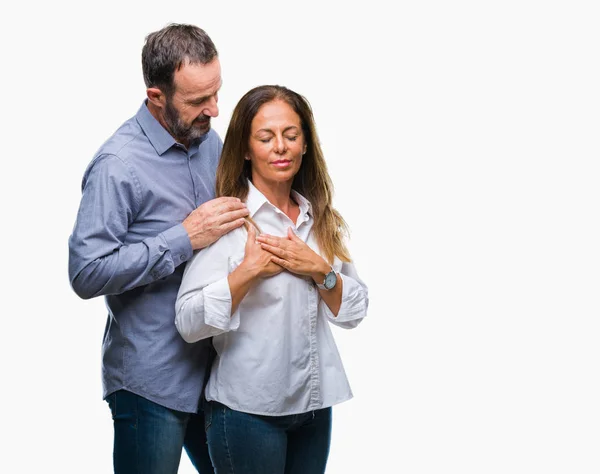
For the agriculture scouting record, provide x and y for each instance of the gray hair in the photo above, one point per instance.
(167, 50)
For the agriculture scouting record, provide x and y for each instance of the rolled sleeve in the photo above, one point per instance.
(217, 307)
(206, 313)
(355, 300)
(203, 306)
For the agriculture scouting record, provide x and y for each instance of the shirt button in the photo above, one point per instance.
(182, 257)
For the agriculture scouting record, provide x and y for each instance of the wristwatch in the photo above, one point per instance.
(329, 282)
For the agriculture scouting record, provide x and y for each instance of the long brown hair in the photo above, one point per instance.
(312, 180)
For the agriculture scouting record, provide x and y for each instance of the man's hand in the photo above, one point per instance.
(214, 219)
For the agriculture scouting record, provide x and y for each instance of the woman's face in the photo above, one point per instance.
(276, 144)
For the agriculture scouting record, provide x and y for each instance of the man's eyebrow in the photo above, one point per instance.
(204, 97)
(198, 99)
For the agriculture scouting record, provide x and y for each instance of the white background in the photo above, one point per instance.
(462, 138)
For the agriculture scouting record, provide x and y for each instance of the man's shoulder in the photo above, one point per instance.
(126, 138)
(117, 149)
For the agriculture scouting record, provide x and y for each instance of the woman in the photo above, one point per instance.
(267, 292)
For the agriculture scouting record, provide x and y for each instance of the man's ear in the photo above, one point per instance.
(156, 97)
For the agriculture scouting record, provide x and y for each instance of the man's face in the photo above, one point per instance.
(188, 111)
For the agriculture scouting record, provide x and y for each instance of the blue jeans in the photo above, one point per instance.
(149, 437)
(254, 444)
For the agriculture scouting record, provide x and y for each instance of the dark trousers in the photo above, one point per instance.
(254, 444)
(149, 438)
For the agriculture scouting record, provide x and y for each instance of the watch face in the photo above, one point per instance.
(330, 280)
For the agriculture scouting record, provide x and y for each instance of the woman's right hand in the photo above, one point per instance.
(256, 260)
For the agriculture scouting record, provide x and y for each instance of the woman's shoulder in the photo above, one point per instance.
(230, 242)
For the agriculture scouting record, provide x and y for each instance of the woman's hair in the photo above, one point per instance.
(312, 180)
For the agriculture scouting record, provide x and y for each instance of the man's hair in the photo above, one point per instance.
(167, 50)
(312, 180)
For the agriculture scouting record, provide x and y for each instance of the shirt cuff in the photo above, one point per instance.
(217, 306)
(354, 302)
(178, 242)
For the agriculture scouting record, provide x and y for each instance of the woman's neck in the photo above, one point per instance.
(279, 194)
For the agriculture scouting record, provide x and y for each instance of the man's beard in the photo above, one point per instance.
(182, 132)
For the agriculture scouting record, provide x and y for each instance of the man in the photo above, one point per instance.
(147, 203)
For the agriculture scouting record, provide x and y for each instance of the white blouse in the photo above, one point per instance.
(276, 354)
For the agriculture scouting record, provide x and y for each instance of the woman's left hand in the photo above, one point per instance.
(294, 255)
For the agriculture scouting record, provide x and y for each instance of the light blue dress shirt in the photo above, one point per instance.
(128, 244)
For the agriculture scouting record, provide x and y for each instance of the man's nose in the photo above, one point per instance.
(212, 108)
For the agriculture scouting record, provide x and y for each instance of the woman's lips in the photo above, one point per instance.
(281, 163)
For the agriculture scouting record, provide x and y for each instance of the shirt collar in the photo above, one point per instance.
(160, 139)
(303, 203)
(256, 200)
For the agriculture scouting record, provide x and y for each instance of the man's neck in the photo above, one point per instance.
(157, 114)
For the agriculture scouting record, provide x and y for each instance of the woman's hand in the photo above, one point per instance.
(294, 255)
(257, 260)
(257, 263)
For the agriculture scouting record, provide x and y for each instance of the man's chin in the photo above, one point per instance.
(202, 128)
(198, 132)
